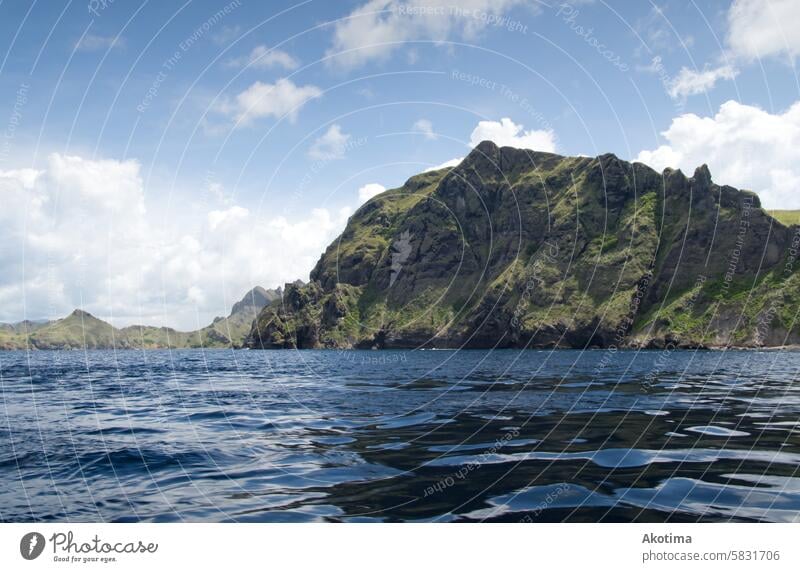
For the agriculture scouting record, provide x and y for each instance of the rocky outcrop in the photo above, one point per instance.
(254, 301)
(515, 248)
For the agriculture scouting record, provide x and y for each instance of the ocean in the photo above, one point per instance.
(361, 436)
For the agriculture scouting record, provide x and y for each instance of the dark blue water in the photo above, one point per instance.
(399, 436)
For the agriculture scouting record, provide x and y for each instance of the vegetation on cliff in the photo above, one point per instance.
(515, 248)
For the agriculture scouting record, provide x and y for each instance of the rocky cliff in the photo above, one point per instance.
(515, 248)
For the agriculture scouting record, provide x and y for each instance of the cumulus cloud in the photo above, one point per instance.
(369, 190)
(425, 127)
(507, 133)
(762, 28)
(264, 58)
(330, 145)
(79, 233)
(744, 146)
(283, 98)
(756, 29)
(93, 43)
(691, 82)
(450, 163)
(378, 27)
(234, 214)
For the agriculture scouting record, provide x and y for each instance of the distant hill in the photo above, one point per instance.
(81, 330)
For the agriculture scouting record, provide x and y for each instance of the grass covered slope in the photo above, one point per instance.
(785, 217)
(515, 248)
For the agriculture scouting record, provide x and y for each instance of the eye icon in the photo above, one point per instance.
(31, 545)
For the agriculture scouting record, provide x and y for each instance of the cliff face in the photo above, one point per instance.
(515, 248)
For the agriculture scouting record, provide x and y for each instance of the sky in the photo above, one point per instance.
(159, 159)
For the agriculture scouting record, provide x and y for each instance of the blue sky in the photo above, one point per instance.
(159, 158)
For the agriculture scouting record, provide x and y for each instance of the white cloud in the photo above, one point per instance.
(283, 98)
(762, 28)
(450, 163)
(263, 58)
(218, 218)
(112, 186)
(744, 146)
(425, 127)
(330, 145)
(226, 35)
(369, 190)
(378, 27)
(689, 82)
(92, 43)
(756, 29)
(78, 233)
(217, 192)
(507, 133)
(25, 177)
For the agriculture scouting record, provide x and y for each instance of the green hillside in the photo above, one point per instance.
(786, 217)
(515, 248)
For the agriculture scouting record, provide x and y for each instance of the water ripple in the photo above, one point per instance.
(415, 436)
